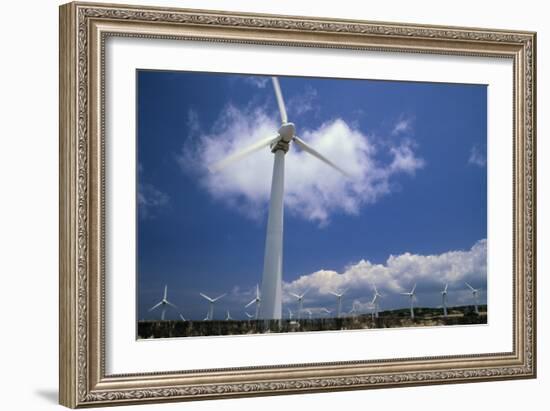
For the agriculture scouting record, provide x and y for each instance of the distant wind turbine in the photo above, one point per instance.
(256, 300)
(474, 296)
(228, 316)
(163, 303)
(309, 313)
(375, 302)
(353, 310)
(444, 300)
(211, 301)
(339, 301)
(289, 314)
(326, 311)
(300, 298)
(279, 145)
(411, 296)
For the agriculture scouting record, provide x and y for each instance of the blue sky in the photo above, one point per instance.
(415, 209)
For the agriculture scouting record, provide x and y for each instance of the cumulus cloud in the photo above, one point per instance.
(397, 274)
(313, 190)
(477, 157)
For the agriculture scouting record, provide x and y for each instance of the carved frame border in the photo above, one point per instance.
(83, 30)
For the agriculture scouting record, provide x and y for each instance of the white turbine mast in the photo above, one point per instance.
(474, 297)
(211, 303)
(444, 300)
(163, 303)
(256, 300)
(300, 298)
(411, 296)
(279, 144)
(338, 301)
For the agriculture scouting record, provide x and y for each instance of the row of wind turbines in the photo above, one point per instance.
(374, 304)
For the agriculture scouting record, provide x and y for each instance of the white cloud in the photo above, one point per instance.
(402, 126)
(302, 103)
(149, 199)
(477, 157)
(193, 124)
(313, 190)
(257, 81)
(397, 274)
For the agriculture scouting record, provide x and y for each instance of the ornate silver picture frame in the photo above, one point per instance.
(85, 28)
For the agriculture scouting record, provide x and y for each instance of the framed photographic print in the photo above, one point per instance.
(278, 187)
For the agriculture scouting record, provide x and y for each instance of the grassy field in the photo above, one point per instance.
(387, 319)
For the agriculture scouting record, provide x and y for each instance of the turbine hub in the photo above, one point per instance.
(287, 132)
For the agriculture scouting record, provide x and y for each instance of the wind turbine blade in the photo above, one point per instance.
(470, 287)
(446, 285)
(207, 297)
(242, 153)
(335, 294)
(257, 291)
(414, 288)
(155, 306)
(280, 101)
(165, 291)
(171, 305)
(407, 294)
(250, 303)
(295, 295)
(307, 148)
(218, 297)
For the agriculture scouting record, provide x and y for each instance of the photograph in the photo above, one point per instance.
(282, 204)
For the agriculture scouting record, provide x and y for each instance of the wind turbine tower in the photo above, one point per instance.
(411, 296)
(300, 298)
(338, 301)
(163, 303)
(256, 300)
(279, 144)
(444, 300)
(211, 303)
(474, 296)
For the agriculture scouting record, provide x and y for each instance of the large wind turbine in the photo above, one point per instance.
(474, 296)
(279, 145)
(339, 301)
(256, 300)
(411, 297)
(300, 298)
(374, 301)
(163, 303)
(444, 300)
(211, 301)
